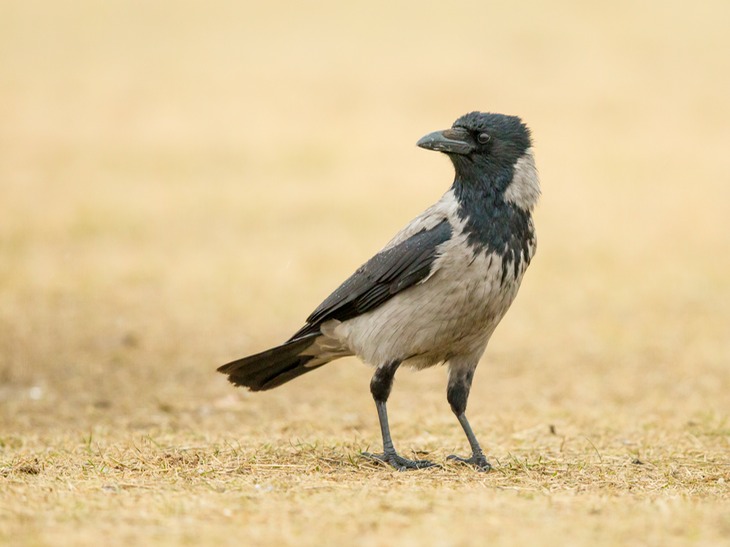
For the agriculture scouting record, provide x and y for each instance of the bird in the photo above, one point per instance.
(437, 290)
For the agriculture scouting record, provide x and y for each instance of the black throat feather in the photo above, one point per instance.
(492, 224)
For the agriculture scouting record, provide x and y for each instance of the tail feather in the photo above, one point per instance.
(273, 367)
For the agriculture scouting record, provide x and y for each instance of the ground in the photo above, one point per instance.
(183, 184)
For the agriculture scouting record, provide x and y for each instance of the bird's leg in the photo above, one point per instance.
(457, 395)
(380, 387)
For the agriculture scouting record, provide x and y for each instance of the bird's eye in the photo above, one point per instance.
(483, 138)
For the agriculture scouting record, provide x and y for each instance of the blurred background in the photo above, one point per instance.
(183, 182)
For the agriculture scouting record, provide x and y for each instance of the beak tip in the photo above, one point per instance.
(430, 141)
(445, 141)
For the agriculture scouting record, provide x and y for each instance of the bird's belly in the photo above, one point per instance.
(453, 313)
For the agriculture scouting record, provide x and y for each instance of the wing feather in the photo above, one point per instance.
(389, 272)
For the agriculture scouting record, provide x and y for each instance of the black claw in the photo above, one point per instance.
(399, 462)
(478, 461)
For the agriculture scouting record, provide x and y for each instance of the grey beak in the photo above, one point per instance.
(450, 141)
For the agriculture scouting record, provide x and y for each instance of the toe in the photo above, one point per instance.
(398, 462)
(478, 461)
(421, 464)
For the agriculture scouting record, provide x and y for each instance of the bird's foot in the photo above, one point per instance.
(399, 462)
(478, 461)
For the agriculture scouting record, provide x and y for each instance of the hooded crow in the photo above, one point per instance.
(436, 292)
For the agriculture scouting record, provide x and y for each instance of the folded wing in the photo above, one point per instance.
(380, 278)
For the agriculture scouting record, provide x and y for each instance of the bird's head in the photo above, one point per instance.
(493, 150)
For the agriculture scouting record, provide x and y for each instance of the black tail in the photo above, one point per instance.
(273, 367)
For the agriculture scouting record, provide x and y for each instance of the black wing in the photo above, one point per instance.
(381, 277)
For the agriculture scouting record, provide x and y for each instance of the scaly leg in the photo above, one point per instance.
(457, 395)
(380, 387)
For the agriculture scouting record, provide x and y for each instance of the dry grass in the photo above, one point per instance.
(181, 184)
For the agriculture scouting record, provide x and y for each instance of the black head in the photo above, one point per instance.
(481, 142)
